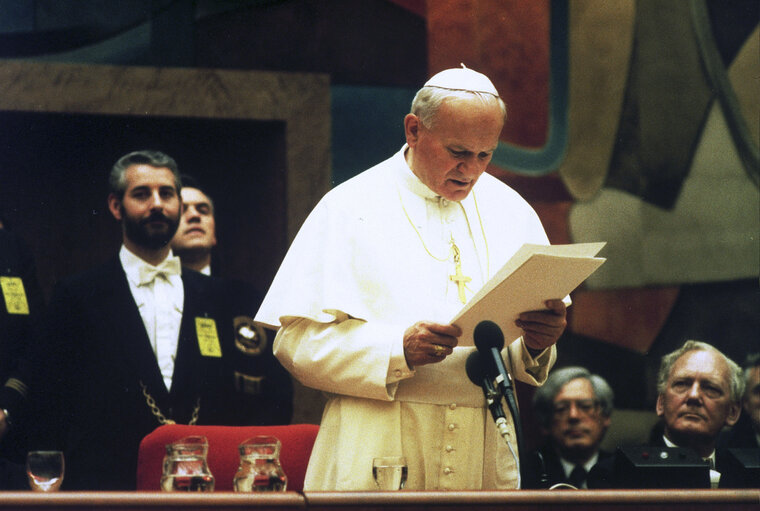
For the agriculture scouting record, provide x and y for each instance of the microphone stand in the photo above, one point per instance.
(493, 399)
(494, 394)
(489, 340)
(504, 382)
(509, 396)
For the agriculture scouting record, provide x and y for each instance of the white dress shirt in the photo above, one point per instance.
(160, 304)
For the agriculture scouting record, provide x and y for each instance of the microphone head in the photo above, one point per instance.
(474, 368)
(488, 335)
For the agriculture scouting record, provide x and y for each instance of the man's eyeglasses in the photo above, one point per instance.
(584, 406)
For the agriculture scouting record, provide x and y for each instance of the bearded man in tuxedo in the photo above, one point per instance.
(134, 343)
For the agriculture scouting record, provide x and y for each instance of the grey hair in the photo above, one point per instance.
(428, 99)
(543, 399)
(736, 379)
(117, 180)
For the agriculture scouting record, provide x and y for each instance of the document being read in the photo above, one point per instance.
(535, 273)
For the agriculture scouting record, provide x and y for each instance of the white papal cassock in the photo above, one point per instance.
(373, 258)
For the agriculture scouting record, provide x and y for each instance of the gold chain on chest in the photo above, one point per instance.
(454, 248)
(156, 411)
(459, 278)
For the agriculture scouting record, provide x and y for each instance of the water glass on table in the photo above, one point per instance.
(45, 469)
(389, 472)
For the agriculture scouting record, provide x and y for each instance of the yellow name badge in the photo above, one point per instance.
(15, 297)
(208, 340)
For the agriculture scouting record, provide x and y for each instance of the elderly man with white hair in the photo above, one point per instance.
(699, 393)
(364, 297)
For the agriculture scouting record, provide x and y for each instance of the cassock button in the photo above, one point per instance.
(449, 448)
(452, 427)
(453, 406)
(397, 372)
(447, 471)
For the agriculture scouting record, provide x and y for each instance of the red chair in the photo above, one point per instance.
(223, 457)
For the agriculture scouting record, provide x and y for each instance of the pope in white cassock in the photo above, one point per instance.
(363, 299)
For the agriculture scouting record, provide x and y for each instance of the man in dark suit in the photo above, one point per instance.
(135, 343)
(195, 238)
(574, 408)
(699, 393)
(21, 307)
(746, 432)
(263, 389)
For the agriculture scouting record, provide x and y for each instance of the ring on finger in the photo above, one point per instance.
(438, 350)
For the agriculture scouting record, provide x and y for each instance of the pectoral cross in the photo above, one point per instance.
(458, 277)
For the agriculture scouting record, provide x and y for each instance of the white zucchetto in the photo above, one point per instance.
(462, 79)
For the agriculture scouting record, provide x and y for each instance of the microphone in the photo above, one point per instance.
(477, 375)
(490, 340)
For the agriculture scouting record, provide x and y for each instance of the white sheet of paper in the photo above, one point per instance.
(534, 274)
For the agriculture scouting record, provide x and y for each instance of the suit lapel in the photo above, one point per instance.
(133, 345)
(554, 467)
(131, 340)
(188, 374)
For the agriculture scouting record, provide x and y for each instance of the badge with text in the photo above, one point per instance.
(208, 339)
(14, 295)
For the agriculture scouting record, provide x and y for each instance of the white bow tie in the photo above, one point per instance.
(170, 266)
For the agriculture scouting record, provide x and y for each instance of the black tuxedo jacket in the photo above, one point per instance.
(548, 466)
(97, 357)
(17, 333)
(263, 388)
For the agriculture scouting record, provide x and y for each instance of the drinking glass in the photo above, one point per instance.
(389, 472)
(44, 469)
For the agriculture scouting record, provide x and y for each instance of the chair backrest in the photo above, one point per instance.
(223, 457)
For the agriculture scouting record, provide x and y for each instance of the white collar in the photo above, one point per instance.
(132, 264)
(568, 466)
(409, 179)
(710, 458)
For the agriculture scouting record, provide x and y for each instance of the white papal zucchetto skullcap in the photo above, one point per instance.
(462, 79)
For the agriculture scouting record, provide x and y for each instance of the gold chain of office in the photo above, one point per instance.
(156, 411)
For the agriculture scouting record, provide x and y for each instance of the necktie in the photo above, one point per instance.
(578, 476)
(170, 266)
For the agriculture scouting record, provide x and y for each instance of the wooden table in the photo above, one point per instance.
(523, 500)
(528, 500)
